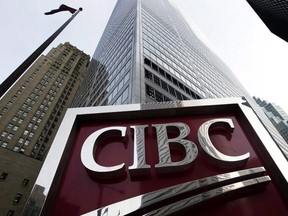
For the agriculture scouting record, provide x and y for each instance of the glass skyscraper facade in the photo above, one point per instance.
(150, 52)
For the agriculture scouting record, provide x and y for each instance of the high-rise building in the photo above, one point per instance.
(30, 113)
(274, 13)
(151, 52)
(276, 115)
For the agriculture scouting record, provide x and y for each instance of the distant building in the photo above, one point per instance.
(277, 116)
(274, 13)
(30, 114)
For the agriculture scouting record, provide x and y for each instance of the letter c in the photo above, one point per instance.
(89, 147)
(209, 148)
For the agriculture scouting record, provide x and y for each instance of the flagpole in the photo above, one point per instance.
(9, 81)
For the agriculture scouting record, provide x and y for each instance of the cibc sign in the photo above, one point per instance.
(208, 157)
(164, 146)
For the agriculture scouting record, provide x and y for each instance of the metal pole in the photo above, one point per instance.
(6, 84)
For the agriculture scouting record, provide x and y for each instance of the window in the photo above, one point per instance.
(16, 148)
(147, 61)
(17, 198)
(4, 133)
(10, 136)
(3, 176)
(22, 150)
(26, 142)
(10, 213)
(148, 74)
(172, 91)
(158, 96)
(164, 86)
(15, 128)
(156, 80)
(24, 106)
(31, 134)
(4, 144)
(4, 109)
(154, 67)
(25, 182)
(149, 91)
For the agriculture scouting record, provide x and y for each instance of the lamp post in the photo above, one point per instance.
(9, 81)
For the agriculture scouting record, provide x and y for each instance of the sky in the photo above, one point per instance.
(236, 34)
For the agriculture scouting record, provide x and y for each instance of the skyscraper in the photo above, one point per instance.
(159, 56)
(274, 14)
(151, 52)
(31, 112)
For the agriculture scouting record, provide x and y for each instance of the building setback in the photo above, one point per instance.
(150, 52)
(276, 115)
(31, 112)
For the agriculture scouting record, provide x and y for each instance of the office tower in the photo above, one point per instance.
(274, 13)
(276, 115)
(30, 113)
(150, 52)
(153, 55)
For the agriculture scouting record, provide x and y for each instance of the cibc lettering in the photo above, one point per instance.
(140, 166)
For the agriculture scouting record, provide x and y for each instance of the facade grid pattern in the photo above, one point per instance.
(30, 114)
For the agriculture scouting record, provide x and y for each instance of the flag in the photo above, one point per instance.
(60, 9)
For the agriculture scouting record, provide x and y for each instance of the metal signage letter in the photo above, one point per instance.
(164, 144)
(209, 148)
(139, 166)
(89, 147)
